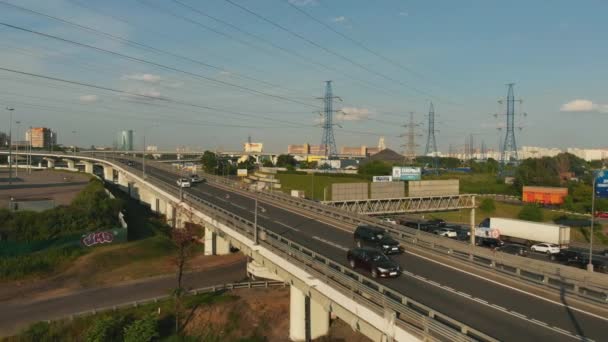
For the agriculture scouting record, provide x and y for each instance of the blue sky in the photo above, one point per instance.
(217, 84)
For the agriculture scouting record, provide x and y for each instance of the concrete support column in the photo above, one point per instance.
(50, 163)
(88, 167)
(122, 180)
(170, 214)
(308, 318)
(297, 314)
(108, 173)
(71, 163)
(214, 244)
(319, 319)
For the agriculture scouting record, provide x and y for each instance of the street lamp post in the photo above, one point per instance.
(143, 159)
(590, 264)
(10, 146)
(17, 150)
(74, 147)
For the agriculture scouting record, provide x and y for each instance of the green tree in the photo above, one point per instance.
(248, 164)
(209, 161)
(531, 212)
(267, 163)
(106, 329)
(284, 160)
(375, 168)
(487, 205)
(142, 330)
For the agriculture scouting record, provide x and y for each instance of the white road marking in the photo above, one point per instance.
(510, 287)
(286, 225)
(330, 243)
(496, 307)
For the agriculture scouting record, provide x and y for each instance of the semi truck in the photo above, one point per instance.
(525, 232)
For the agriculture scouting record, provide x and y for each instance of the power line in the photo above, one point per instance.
(296, 125)
(341, 56)
(139, 60)
(137, 44)
(352, 40)
(308, 60)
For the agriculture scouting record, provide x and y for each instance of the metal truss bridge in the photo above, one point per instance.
(405, 204)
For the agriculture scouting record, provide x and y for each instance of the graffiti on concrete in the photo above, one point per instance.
(97, 238)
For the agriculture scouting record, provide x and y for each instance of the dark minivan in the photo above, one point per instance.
(374, 261)
(376, 237)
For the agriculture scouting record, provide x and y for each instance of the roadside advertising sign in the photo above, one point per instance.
(406, 173)
(382, 179)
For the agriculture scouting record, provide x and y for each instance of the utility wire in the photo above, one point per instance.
(339, 55)
(140, 60)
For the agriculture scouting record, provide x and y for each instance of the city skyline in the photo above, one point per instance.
(274, 96)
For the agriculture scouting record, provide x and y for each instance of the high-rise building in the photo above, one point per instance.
(41, 137)
(125, 140)
(253, 147)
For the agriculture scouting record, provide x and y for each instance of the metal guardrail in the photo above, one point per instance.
(411, 315)
(404, 204)
(201, 290)
(588, 285)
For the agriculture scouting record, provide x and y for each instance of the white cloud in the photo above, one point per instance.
(403, 14)
(353, 114)
(149, 93)
(149, 78)
(583, 105)
(89, 98)
(339, 19)
(304, 2)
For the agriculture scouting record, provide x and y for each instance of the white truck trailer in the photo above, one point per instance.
(526, 232)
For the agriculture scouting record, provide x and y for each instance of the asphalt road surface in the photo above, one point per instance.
(18, 314)
(497, 310)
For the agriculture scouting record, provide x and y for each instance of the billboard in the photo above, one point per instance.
(601, 183)
(241, 172)
(406, 173)
(380, 179)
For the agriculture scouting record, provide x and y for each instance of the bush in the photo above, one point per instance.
(142, 330)
(531, 212)
(36, 263)
(487, 205)
(106, 329)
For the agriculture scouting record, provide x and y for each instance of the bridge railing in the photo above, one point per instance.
(591, 286)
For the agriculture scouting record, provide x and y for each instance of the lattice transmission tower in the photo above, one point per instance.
(328, 141)
(431, 143)
(509, 146)
(410, 141)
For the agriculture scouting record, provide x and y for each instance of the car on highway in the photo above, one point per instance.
(129, 163)
(488, 242)
(378, 238)
(184, 183)
(437, 222)
(389, 220)
(374, 261)
(196, 179)
(514, 249)
(568, 257)
(447, 232)
(549, 248)
(600, 214)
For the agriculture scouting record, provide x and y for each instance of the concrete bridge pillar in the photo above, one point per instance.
(50, 163)
(71, 163)
(123, 181)
(108, 173)
(308, 318)
(214, 244)
(88, 166)
(170, 213)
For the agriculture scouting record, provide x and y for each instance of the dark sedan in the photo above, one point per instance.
(372, 260)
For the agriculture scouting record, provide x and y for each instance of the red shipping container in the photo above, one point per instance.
(544, 195)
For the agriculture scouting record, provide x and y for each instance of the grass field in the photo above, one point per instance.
(306, 182)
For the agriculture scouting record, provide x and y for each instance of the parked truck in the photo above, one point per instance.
(525, 232)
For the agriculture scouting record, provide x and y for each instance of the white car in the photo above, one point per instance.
(389, 220)
(184, 183)
(196, 179)
(549, 248)
(447, 232)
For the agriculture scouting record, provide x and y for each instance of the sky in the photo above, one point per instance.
(208, 74)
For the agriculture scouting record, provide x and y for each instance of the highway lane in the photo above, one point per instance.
(17, 314)
(488, 307)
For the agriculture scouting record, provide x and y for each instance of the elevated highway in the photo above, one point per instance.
(439, 297)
